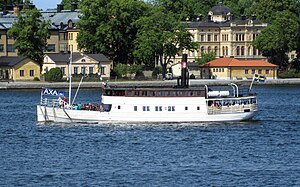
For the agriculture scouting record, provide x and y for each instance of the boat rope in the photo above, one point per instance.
(67, 114)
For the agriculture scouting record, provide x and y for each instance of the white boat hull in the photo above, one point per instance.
(46, 113)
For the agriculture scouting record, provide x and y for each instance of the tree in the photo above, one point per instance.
(163, 36)
(53, 75)
(280, 38)
(67, 3)
(206, 57)
(186, 9)
(30, 34)
(107, 26)
(267, 10)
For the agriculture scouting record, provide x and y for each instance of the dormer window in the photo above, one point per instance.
(82, 60)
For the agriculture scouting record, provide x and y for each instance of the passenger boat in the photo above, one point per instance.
(180, 103)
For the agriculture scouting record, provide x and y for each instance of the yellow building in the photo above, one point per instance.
(234, 69)
(226, 37)
(18, 68)
(81, 64)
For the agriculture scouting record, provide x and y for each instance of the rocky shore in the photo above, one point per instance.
(167, 83)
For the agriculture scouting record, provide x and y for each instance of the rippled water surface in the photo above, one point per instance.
(262, 152)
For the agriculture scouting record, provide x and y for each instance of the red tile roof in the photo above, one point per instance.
(232, 62)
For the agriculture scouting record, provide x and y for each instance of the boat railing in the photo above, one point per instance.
(49, 102)
(219, 109)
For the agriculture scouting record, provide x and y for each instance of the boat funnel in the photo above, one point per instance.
(183, 80)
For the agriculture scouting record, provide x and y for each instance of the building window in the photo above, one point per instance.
(246, 71)
(267, 71)
(51, 48)
(208, 37)
(31, 73)
(91, 70)
(202, 38)
(216, 50)
(242, 50)
(259, 71)
(75, 70)
(253, 71)
(215, 37)
(102, 70)
(10, 48)
(208, 49)
(1, 47)
(63, 70)
(83, 70)
(21, 73)
(226, 51)
(238, 50)
(202, 50)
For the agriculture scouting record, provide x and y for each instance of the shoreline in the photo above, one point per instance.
(91, 85)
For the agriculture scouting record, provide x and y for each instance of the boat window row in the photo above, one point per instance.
(160, 108)
(229, 102)
(156, 93)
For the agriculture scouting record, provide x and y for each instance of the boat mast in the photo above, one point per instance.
(70, 77)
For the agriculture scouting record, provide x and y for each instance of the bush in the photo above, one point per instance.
(54, 75)
(157, 70)
(290, 74)
(36, 79)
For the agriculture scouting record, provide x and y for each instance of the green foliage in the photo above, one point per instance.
(279, 38)
(53, 75)
(290, 74)
(109, 25)
(161, 34)
(36, 79)
(67, 3)
(206, 57)
(121, 70)
(157, 70)
(30, 34)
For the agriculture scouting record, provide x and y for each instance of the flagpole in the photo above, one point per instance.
(251, 83)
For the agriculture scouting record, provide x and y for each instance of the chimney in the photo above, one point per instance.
(60, 7)
(73, 7)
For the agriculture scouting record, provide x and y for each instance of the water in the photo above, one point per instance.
(261, 152)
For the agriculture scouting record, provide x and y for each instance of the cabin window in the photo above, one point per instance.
(175, 93)
(129, 93)
(181, 93)
(152, 93)
(146, 108)
(159, 93)
(198, 107)
(119, 107)
(158, 108)
(191, 93)
(167, 93)
(135, 108)
(171, 108)
(21, 73)
(144, 93)
(186, 108)
(136, 93)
